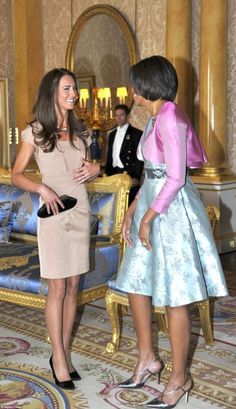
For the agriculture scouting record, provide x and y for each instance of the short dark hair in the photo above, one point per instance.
(154, 78)
(123, 107)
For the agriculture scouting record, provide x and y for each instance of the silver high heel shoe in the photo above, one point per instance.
(158, 402)
(147, 373)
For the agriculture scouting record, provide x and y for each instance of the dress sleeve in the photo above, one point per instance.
(27, 136)
(174, 137)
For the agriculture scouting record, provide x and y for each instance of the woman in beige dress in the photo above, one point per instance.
(59, 143)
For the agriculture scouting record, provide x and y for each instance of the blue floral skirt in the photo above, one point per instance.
(183, 265)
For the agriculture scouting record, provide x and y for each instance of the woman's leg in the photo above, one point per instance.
(54, 322)
(141, 311)
(69, 311)
(179, 333)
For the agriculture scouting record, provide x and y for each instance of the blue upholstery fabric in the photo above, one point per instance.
(104, 205)
(20, 267)
(25, 206)
(103, 265)
(6, 221)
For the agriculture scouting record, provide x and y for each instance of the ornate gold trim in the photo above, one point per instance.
(22, 298)
(38, 301)
(91, 294)
(113, 300)
(5, 175)
(26, 238)
(214, 179)
(125, 28)
(93, 11)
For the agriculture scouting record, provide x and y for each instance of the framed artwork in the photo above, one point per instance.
(4, 125)
(88, 82)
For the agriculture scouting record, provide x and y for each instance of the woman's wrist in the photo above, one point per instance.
(40, 188)
(149, 216)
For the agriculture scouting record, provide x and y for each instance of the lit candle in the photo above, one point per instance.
(110, 109)
(121, 93)
(84, 95)
(107, 95)
(100, 96)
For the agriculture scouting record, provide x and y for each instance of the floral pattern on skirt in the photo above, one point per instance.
(183, 265)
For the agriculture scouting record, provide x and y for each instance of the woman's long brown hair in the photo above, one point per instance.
(44, 124)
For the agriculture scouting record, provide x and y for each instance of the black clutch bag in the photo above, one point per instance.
(68, 202)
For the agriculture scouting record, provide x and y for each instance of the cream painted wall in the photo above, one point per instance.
(147, 20)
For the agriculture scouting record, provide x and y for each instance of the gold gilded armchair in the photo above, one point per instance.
(115, 299)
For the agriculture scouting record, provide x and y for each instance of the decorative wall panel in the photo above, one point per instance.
(196, 4)
(151, 39)
(6, 52)
(231, 91)
(57, 24)
(151, 27)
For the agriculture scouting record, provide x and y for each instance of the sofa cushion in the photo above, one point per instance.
(20, 267)
(6, 221)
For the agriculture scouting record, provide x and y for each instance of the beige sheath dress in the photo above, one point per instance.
(63, 239)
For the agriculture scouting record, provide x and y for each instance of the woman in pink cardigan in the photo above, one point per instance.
(171, 259)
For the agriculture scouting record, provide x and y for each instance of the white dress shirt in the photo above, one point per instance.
(120, 134)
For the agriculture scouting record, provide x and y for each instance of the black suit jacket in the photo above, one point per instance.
(128, 153)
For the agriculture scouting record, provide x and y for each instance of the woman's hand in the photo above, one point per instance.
(144, 229)
(126, 228)
(87, 172)
(128, 221)
(50, 198)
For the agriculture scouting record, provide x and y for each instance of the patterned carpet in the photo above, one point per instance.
(26, 381)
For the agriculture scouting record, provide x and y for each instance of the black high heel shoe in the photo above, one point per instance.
(158, 402)
(131, 385)
(69, 385)
(75, 376)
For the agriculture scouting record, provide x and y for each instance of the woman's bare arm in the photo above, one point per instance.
(19, 179)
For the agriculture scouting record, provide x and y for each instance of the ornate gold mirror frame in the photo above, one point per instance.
(125, 29)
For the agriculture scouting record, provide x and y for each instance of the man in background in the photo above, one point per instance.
(122, 147)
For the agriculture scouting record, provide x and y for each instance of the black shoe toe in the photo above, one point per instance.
(75, 376)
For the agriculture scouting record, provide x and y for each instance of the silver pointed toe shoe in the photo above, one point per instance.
(147, 373)
(159, 403)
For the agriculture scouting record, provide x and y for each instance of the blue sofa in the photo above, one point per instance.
(20, 280)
